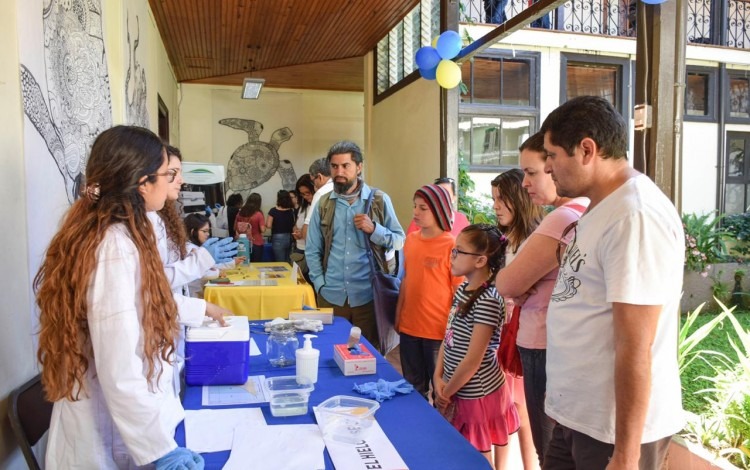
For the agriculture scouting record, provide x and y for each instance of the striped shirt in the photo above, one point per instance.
(488, 309)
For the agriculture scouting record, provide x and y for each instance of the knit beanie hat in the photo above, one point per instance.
(439, 202)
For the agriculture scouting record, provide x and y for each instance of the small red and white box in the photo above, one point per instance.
(354, 364)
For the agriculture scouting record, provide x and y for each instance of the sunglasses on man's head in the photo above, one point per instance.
(445, 180)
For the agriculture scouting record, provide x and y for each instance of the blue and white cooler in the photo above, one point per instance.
(218, 355)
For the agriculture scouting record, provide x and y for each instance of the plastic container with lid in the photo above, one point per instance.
(288, 395)
(345, 418)
(218, 355)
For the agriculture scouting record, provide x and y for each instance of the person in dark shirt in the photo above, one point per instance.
(234, 203)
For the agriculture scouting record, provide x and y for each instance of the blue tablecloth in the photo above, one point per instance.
(421, 436)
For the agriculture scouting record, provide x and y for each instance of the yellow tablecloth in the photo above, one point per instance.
(264, 301)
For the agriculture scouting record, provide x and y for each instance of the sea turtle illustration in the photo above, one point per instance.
(287, 174)
(69, 102)
(253, 163)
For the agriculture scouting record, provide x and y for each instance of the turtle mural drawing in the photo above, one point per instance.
(255, 162)
(69, 102)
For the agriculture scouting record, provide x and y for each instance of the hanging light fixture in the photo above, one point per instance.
(251, 88)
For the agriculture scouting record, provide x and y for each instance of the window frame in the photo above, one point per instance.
(743, 180)
(533, 59)
(711, 98)
(410, 77)
(500, 111)
(734, 73)
(622, 81)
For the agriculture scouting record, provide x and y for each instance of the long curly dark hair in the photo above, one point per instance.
(170, 214)
(120, 159)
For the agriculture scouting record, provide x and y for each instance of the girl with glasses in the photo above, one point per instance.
(107, 342)
(531, 272)
(470, 386)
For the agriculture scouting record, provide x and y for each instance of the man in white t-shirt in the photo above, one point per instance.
(320, 172)
(613, 384)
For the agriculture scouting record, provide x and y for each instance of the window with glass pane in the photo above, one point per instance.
(487, 76)
(516, 83)
(593, 80)
(696, 94)
(496, 80)
(736, 158)
(738, 177)
(396, 51)
(492, 141)
(739, 87)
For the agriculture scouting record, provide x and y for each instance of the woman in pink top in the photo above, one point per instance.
(530, 278)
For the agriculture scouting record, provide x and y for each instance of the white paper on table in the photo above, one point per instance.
(254, 351)
(252, 391)
(280, 447)
(213, 430)
(375, 451)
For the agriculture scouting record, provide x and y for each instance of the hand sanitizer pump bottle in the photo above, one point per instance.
(307, 362)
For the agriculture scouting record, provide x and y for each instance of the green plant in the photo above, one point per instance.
(719, 288)
(704, 242)
(725, 428)
(737, 227)
(476, 210)
(688, 342)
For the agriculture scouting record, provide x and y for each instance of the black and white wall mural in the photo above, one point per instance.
(65, 86)
(66, 103)
(256, 161)
(135, 75)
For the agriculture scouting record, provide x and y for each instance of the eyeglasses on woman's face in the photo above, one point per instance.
(171, 174)
(205, 230)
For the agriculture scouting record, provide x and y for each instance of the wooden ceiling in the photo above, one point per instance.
(317, 44)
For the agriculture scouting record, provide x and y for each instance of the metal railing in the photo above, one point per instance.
(717, 22)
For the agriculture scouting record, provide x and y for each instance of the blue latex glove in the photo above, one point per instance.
(222, 250)
(384, 390)
(180, 459)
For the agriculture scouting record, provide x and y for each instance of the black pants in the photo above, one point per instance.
(418, 358)
(573, 450)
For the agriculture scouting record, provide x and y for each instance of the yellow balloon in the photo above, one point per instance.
(448, 74)
(434, 41)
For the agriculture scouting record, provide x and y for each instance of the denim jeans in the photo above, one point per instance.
(494, 11)
(534, 363)
(281, 244)
(418, 358)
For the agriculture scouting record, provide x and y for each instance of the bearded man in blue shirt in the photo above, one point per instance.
(335, 248)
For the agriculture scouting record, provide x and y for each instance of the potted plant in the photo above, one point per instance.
(707, 271)
(720, 437)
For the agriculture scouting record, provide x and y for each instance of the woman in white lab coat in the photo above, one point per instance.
(108, 320)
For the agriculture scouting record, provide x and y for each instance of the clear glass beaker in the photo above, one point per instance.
(282, 344)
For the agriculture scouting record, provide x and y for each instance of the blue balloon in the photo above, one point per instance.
(427, 58)
(449, 45)
(428, 74)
